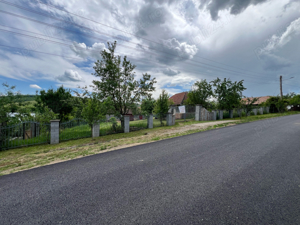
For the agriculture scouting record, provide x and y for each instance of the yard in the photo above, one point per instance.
(19, 159)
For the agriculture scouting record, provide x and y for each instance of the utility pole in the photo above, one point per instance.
(281, 87)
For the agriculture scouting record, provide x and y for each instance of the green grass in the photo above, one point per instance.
(14, 160)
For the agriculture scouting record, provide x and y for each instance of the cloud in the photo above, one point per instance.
(278, 41)
(235, 6)
(35, 86)
(82, 50)
(170, 72)
(172, 50)
(273, 62)
(70, 75)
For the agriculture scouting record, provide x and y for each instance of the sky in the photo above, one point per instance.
(48, 43)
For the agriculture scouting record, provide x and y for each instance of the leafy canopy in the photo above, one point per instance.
(162, 105)
(117, 81)
(248, 104)
(11, 102)
(201, 92)
(228, 93)
(59, 101)
(147, 106)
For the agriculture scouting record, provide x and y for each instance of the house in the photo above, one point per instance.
(259, 101)
(179, 98)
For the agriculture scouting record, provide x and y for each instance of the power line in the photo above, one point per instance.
(23, 49)
(23, 17)
(55, 42)
(52, 6)
(55, 18)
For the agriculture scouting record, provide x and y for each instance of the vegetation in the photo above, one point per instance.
(200, 94)
(57, 100)
(20, 159)
(117, 81)
(162, 105)
(147, 106)
(228, 93)
(248, 104)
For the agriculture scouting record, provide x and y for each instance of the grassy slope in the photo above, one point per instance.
(24, 158)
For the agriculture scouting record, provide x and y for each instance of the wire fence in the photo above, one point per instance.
(24, 134)
(111, 125)
(74, 129)
(159, 120)
(138, 122)
(188, 115)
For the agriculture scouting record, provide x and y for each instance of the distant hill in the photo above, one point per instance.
(25, 98)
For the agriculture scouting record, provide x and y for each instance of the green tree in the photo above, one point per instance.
(11, 103)
(248, 104)
(147, 106)
(162, 105)
(200, 93)
(117, 81)
(228, 93)
(92, 109)
(295, 100)
(59, 101)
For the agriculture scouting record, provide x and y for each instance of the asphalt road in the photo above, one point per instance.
(244, 174)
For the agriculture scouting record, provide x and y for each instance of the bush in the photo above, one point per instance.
(114, 122)
(243, 114)
(252, 114)
(265, 112)
(235, 115)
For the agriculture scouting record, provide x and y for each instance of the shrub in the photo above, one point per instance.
(252, 114)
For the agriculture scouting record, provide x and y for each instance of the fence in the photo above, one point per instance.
(74, 129)
(33, 133)
(111, 125)
(24, 134)
(188, 115)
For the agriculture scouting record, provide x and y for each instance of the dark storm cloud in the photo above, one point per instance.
(235, 6)
(150, 16)
(273, 62)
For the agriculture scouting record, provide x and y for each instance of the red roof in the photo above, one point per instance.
(259, 101)
(179, 98)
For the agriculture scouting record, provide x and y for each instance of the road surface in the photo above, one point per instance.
(244, 174)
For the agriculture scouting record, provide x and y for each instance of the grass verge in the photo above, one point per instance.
(15, 160)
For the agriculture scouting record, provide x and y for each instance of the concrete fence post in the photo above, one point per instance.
(220, 114)
(255, 112)
(169, 119)
(96, 130)
(126, 123)
(198, 113)
(150, 121)
(54, 132)
(214, 115)
(231, 114)
(239, 111)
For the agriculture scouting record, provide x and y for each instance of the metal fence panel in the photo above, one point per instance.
(24, 134)
(110, 126)
(74, 129)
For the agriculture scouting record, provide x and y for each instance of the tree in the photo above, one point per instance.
(147, 106)
(201, 92)
(228, 93)
(11, 103)
(59, 101)
(248, 104)
(277, 104)
(117, 81)
(295, 100)
(162, 105)
(93, 109)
